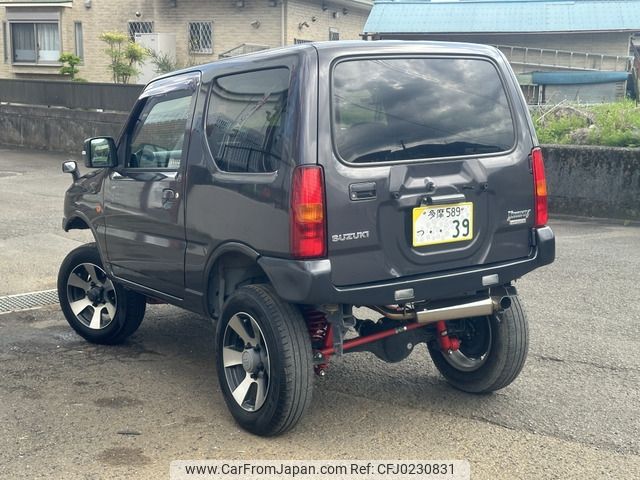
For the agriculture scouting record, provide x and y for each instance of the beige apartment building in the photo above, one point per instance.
(35, 32)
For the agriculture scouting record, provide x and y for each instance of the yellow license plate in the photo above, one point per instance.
(438, 224)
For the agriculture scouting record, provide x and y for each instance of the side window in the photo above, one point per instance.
(245, 120)
(157, 138)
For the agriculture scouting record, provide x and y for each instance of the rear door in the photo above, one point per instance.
(426, 162)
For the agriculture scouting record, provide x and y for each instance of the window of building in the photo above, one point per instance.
(35, 42)
(245, 120)
(334, 34)
(79, 40)
(5, 45)
(200, 37)
(139, 27)
(297, 41)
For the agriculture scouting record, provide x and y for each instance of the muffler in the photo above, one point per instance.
(477, 308)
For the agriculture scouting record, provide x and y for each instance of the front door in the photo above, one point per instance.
(144, 207)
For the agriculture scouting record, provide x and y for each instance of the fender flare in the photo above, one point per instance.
(217, 254)
(96, 238)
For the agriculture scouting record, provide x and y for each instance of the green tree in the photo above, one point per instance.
(69, 66)
(125, 55)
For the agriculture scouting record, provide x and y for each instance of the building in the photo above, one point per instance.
(576, 50)
(36, 32)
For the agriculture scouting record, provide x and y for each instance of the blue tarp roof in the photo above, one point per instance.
(471, 16)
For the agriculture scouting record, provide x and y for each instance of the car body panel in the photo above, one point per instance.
(171, 252)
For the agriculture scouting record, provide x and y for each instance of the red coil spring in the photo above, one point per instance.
(318, 331)
(317, 325)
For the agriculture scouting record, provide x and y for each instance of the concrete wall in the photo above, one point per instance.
(55, 129)
(595, 93)
(278, 25)
(593, 181)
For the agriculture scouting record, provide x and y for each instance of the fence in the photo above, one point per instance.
(74, 95)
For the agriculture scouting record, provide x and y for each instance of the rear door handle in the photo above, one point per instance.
(362, 191)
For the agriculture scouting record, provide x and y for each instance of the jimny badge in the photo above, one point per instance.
(517, 217)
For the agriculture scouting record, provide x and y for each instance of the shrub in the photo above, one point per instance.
(610, 124)
(69, 62)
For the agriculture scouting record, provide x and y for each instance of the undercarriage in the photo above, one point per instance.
(453, 326)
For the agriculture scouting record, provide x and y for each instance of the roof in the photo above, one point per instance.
(502, 16)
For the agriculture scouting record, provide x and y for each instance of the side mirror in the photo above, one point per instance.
(72, 168)
(100, 152)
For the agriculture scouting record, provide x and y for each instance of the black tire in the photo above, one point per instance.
(508, 346)
(285, 370)
(121, 311)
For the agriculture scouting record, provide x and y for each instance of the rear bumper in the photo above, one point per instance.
(310, 281)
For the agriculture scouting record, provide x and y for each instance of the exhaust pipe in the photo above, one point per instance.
(478, 308)
(502, 303)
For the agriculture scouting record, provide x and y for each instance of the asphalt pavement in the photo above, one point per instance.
(69, 409)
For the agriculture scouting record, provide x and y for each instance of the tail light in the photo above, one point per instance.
(539, 188)
(308, 223)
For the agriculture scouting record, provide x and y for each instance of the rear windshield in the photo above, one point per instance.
(396, 109)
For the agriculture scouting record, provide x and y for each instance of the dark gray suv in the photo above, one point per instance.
(275, 192)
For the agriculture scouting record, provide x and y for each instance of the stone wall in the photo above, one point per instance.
(593, 181)
(55, 129)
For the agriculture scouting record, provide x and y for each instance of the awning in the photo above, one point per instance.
(577, 78)
(36, 3)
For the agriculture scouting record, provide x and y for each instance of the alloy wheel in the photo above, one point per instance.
(245, 357)
(92, 296)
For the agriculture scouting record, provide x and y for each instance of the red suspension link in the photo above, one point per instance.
(321, 334)
(447, 343)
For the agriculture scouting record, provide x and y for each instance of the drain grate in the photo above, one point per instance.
(26, 301)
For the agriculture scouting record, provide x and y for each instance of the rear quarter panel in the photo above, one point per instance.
(246, 208)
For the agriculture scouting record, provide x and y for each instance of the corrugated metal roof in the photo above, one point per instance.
(470, 16)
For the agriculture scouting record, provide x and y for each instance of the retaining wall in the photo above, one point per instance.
(55, 129)
(593, 181)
